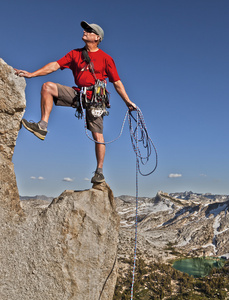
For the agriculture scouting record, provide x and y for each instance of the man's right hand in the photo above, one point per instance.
(47, 69)
(23, 73)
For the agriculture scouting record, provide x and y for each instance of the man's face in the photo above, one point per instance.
(90, 36)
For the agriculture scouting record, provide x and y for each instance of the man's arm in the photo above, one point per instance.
(122, 92)
(47, 69)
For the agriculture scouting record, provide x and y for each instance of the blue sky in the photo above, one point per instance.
(172, 57)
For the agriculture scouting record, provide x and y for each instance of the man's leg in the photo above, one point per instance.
(48, 91)
(100, 149)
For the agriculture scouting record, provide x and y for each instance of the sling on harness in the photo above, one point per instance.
(100, 100)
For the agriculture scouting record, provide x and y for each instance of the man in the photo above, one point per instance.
(101, 66)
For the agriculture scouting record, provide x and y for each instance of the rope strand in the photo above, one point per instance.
(136, 214)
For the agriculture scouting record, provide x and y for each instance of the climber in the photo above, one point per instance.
(86, 74)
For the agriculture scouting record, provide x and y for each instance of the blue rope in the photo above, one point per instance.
(135, 131)
(134, 138)
(139, 135)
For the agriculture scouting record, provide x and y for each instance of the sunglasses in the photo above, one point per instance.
(90, 30)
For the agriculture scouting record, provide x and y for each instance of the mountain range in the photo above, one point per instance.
(174, 225)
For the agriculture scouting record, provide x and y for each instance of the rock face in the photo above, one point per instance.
(12, 105)
(63, 250)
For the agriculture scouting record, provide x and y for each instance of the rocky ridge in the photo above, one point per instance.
(65, 249)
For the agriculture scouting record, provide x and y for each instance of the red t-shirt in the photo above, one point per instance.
(104, 67)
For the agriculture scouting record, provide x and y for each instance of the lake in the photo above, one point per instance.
(197, 267)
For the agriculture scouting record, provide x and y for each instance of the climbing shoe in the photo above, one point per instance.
(35, 129)
(97, 178)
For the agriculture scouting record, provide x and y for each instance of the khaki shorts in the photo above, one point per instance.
(67, 96)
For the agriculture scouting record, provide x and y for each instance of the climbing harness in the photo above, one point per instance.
(140, 139)
(99, 102)
(100, 98)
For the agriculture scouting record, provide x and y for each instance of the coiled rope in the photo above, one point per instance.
(140, 139)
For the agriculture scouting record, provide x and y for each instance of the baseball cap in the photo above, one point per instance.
(95, 27)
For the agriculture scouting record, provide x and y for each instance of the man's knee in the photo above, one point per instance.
(98, 137)
(50, 88)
